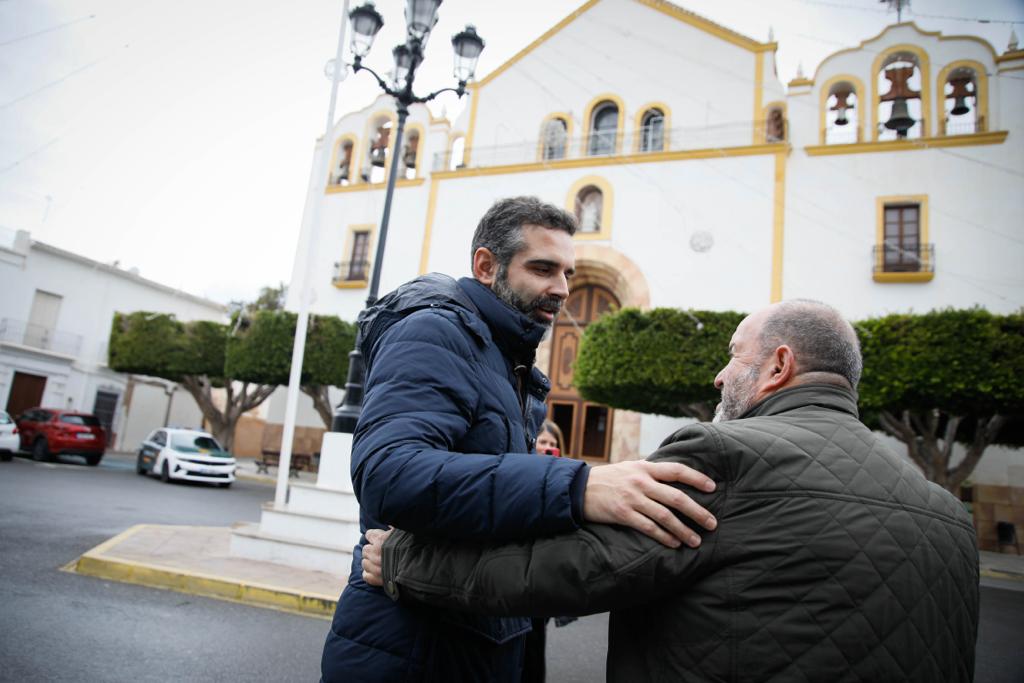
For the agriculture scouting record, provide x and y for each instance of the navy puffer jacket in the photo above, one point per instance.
(444, 447)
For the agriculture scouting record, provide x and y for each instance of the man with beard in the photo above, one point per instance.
(444, 446)
(834, 559)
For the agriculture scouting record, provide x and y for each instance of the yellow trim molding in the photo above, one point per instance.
(588, 114)
(880, 202)
(992, 138)
(759, 135)
(535, 44)
(428, 231)
(372, 187)
(923, 63)
(1008, 56)
(666, 127)
(981, 95)
(564, 116)
(910, 24)
(662, 6)
(352, 171)
(708, 26)
(800, 82)
(593, 162)
(861, 105)
(350, 232)
(778, 225)
(607, 205)
(474, 102)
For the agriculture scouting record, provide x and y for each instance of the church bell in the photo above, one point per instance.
(960, 94)
(841, 106)
(900, 119)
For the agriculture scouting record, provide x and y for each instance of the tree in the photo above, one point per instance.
(326, 360)
(269, 299)
(660, 361)
(192, 354)
(943, 377)
(260, 351)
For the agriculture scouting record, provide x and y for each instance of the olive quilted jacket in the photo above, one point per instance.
(834, 559)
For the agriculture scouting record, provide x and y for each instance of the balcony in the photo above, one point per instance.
(895, 264)
(39, 337)
(350, 274)
(632, 143)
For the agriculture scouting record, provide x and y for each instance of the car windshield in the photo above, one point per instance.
(5, 419)
(190, 441)
(87, 420)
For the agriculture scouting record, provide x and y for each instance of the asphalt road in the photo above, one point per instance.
(57, 626)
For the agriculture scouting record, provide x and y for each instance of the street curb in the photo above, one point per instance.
(96, 564)
(1005, 576)
(259, 479)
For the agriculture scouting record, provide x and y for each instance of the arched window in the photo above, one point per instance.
(842, 115)
(456, 156)
(604, 128)
(377, 150)
(555, 139)
(961, 102)
(410, 154)
(652, 131)
(775, 124)
(341, 173)
(589, 207)
(901, 107)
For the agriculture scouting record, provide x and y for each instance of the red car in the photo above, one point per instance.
(48, 431)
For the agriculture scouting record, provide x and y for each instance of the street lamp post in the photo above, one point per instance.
(420, 17)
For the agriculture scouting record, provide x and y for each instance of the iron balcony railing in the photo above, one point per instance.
(891, 258)
(40, 337)
(611, 144)
(351, 271)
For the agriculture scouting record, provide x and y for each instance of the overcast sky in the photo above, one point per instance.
(176, 136)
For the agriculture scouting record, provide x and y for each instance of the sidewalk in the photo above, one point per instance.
(247, 469)
(197, 560)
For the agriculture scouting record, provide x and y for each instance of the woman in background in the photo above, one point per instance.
(550, 440)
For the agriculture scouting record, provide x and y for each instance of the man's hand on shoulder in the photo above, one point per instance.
(632, 494)
(373, 572)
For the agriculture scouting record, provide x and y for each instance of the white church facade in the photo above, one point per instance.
(888, 181)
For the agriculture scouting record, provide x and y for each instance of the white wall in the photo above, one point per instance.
(91, 293)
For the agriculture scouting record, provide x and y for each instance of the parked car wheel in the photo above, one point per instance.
(225, 485)
(165, 473)
(93, 459)
(139, 467)
(6, 456)
(40, 453)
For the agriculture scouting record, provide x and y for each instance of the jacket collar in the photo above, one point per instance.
(827, 396)
(515, 334)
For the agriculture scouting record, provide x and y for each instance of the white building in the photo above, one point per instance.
(701, 182)
(56, 309)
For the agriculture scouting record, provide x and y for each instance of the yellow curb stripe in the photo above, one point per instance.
(1006, 576)
(94, 563)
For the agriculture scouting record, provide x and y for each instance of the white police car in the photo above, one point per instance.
(185, 454)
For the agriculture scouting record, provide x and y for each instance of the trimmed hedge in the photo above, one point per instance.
(660, 361)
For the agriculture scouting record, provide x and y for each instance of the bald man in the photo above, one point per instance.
(834, 558)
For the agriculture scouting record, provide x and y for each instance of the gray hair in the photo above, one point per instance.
(501, 229)
(821, 339)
